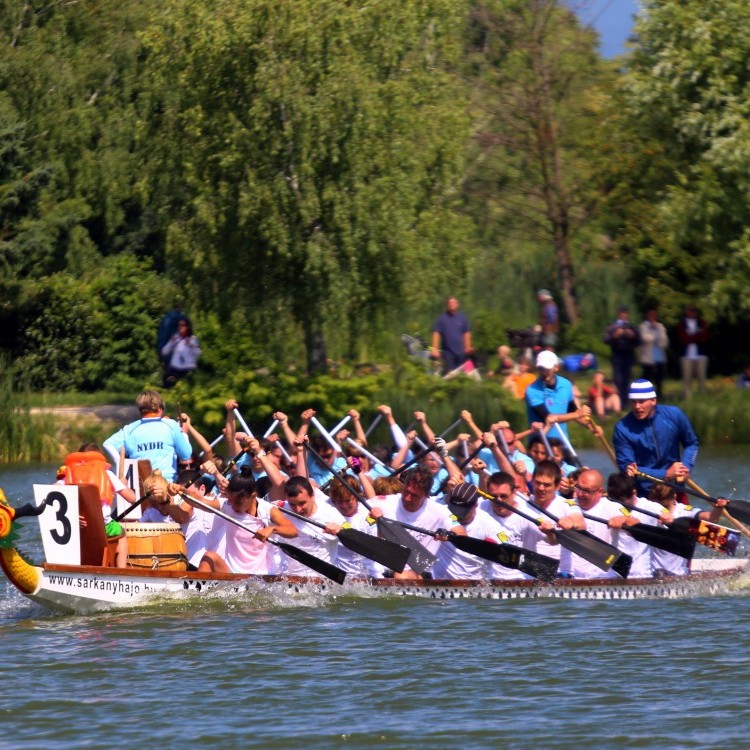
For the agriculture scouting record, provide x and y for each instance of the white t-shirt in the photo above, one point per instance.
(432, 515)
(455, 564)
(196, 531)
(355, 564)
(312, 539)
(560, 507)
(243, 553)
(604, 509)
(639, 551)
(515, 530)
(668, 561)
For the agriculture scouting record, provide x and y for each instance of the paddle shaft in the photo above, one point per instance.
(420, 558)
(665, 539)
(738, 508)
(393, 556)
(321, 566)
(569, 447)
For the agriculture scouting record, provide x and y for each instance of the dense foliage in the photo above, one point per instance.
(314, 177)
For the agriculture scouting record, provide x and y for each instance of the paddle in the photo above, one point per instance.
(315, 563)
(670, 541)
(713, 536)
(597, 430)
(393, 556)
(743, 529)
(586, 545)
(740, 509)
(507, 555)
(420, 558)
(569, 447)
(581, 543)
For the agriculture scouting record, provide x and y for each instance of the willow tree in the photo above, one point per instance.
(303, 156)
(538, 86)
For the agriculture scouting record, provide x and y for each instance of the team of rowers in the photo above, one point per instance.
(487, 485)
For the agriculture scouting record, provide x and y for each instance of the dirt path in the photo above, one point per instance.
(122, 413)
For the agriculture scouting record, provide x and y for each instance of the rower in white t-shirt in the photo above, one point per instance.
(414, 506)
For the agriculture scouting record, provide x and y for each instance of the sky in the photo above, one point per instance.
(613, 19)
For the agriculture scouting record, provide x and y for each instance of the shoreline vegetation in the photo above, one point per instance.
(46, 426)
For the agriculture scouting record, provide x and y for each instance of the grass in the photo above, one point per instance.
(720, 416)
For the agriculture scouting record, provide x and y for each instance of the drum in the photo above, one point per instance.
(156, 546)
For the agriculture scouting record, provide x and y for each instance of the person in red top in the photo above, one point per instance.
(603, 399)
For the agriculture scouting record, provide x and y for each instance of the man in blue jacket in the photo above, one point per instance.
(653, 438)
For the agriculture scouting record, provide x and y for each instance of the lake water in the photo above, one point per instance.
(380, 672)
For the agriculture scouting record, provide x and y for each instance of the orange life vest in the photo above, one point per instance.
(90, 467)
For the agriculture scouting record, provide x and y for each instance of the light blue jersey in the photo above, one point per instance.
(157, 439)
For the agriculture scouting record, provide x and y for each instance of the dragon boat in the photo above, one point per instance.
(78, 577)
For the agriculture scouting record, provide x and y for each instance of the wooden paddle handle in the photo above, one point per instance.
(600, 434)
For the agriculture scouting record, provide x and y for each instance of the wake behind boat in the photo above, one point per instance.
(86, 588)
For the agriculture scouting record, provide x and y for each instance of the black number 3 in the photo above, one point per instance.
(64, 536)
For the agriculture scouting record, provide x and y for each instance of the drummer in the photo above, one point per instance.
(161, 508)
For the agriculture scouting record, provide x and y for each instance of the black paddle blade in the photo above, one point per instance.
(597, 552)
(420, 558)
(318, 565)
(393, 556)
(510, 556)
(670, 540)
(504, 554)
(539, 566)
(739, 509)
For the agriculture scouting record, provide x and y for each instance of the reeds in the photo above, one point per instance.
(23, 436)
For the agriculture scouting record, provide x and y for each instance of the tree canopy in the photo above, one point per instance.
(315, 177)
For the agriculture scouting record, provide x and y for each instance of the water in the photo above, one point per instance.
(347, 672)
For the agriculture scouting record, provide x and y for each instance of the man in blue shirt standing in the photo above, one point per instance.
(451, 337)
(656, 439)
(549, 399)
(154, 437)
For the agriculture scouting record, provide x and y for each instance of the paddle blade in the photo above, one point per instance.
(504, 554)
(538, 566)
(315, 563)
(670, 540)
(420, 558)
(711, 535)
(739, 509)
(597, 552)
(393, 556)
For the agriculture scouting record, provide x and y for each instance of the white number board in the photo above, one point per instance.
(132, 481)
(59, 523)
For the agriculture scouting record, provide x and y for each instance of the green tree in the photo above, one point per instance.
(688, 113)
(305, 159)
(538, 96)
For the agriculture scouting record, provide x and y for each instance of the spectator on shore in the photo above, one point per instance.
(603, 399)
(623, 338)
(451, 337)
(743, 381)
(549, 319)
(183, 351)
(518, 381)
(692, 332)
(652, 353)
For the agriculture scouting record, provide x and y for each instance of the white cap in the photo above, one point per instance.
(547, 360)
(640, 390)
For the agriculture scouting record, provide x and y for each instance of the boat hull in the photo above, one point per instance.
(79, 589)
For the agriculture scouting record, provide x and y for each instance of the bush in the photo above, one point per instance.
(95, 331)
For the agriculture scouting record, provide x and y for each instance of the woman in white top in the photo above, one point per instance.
(245, 550)
(183, 352)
